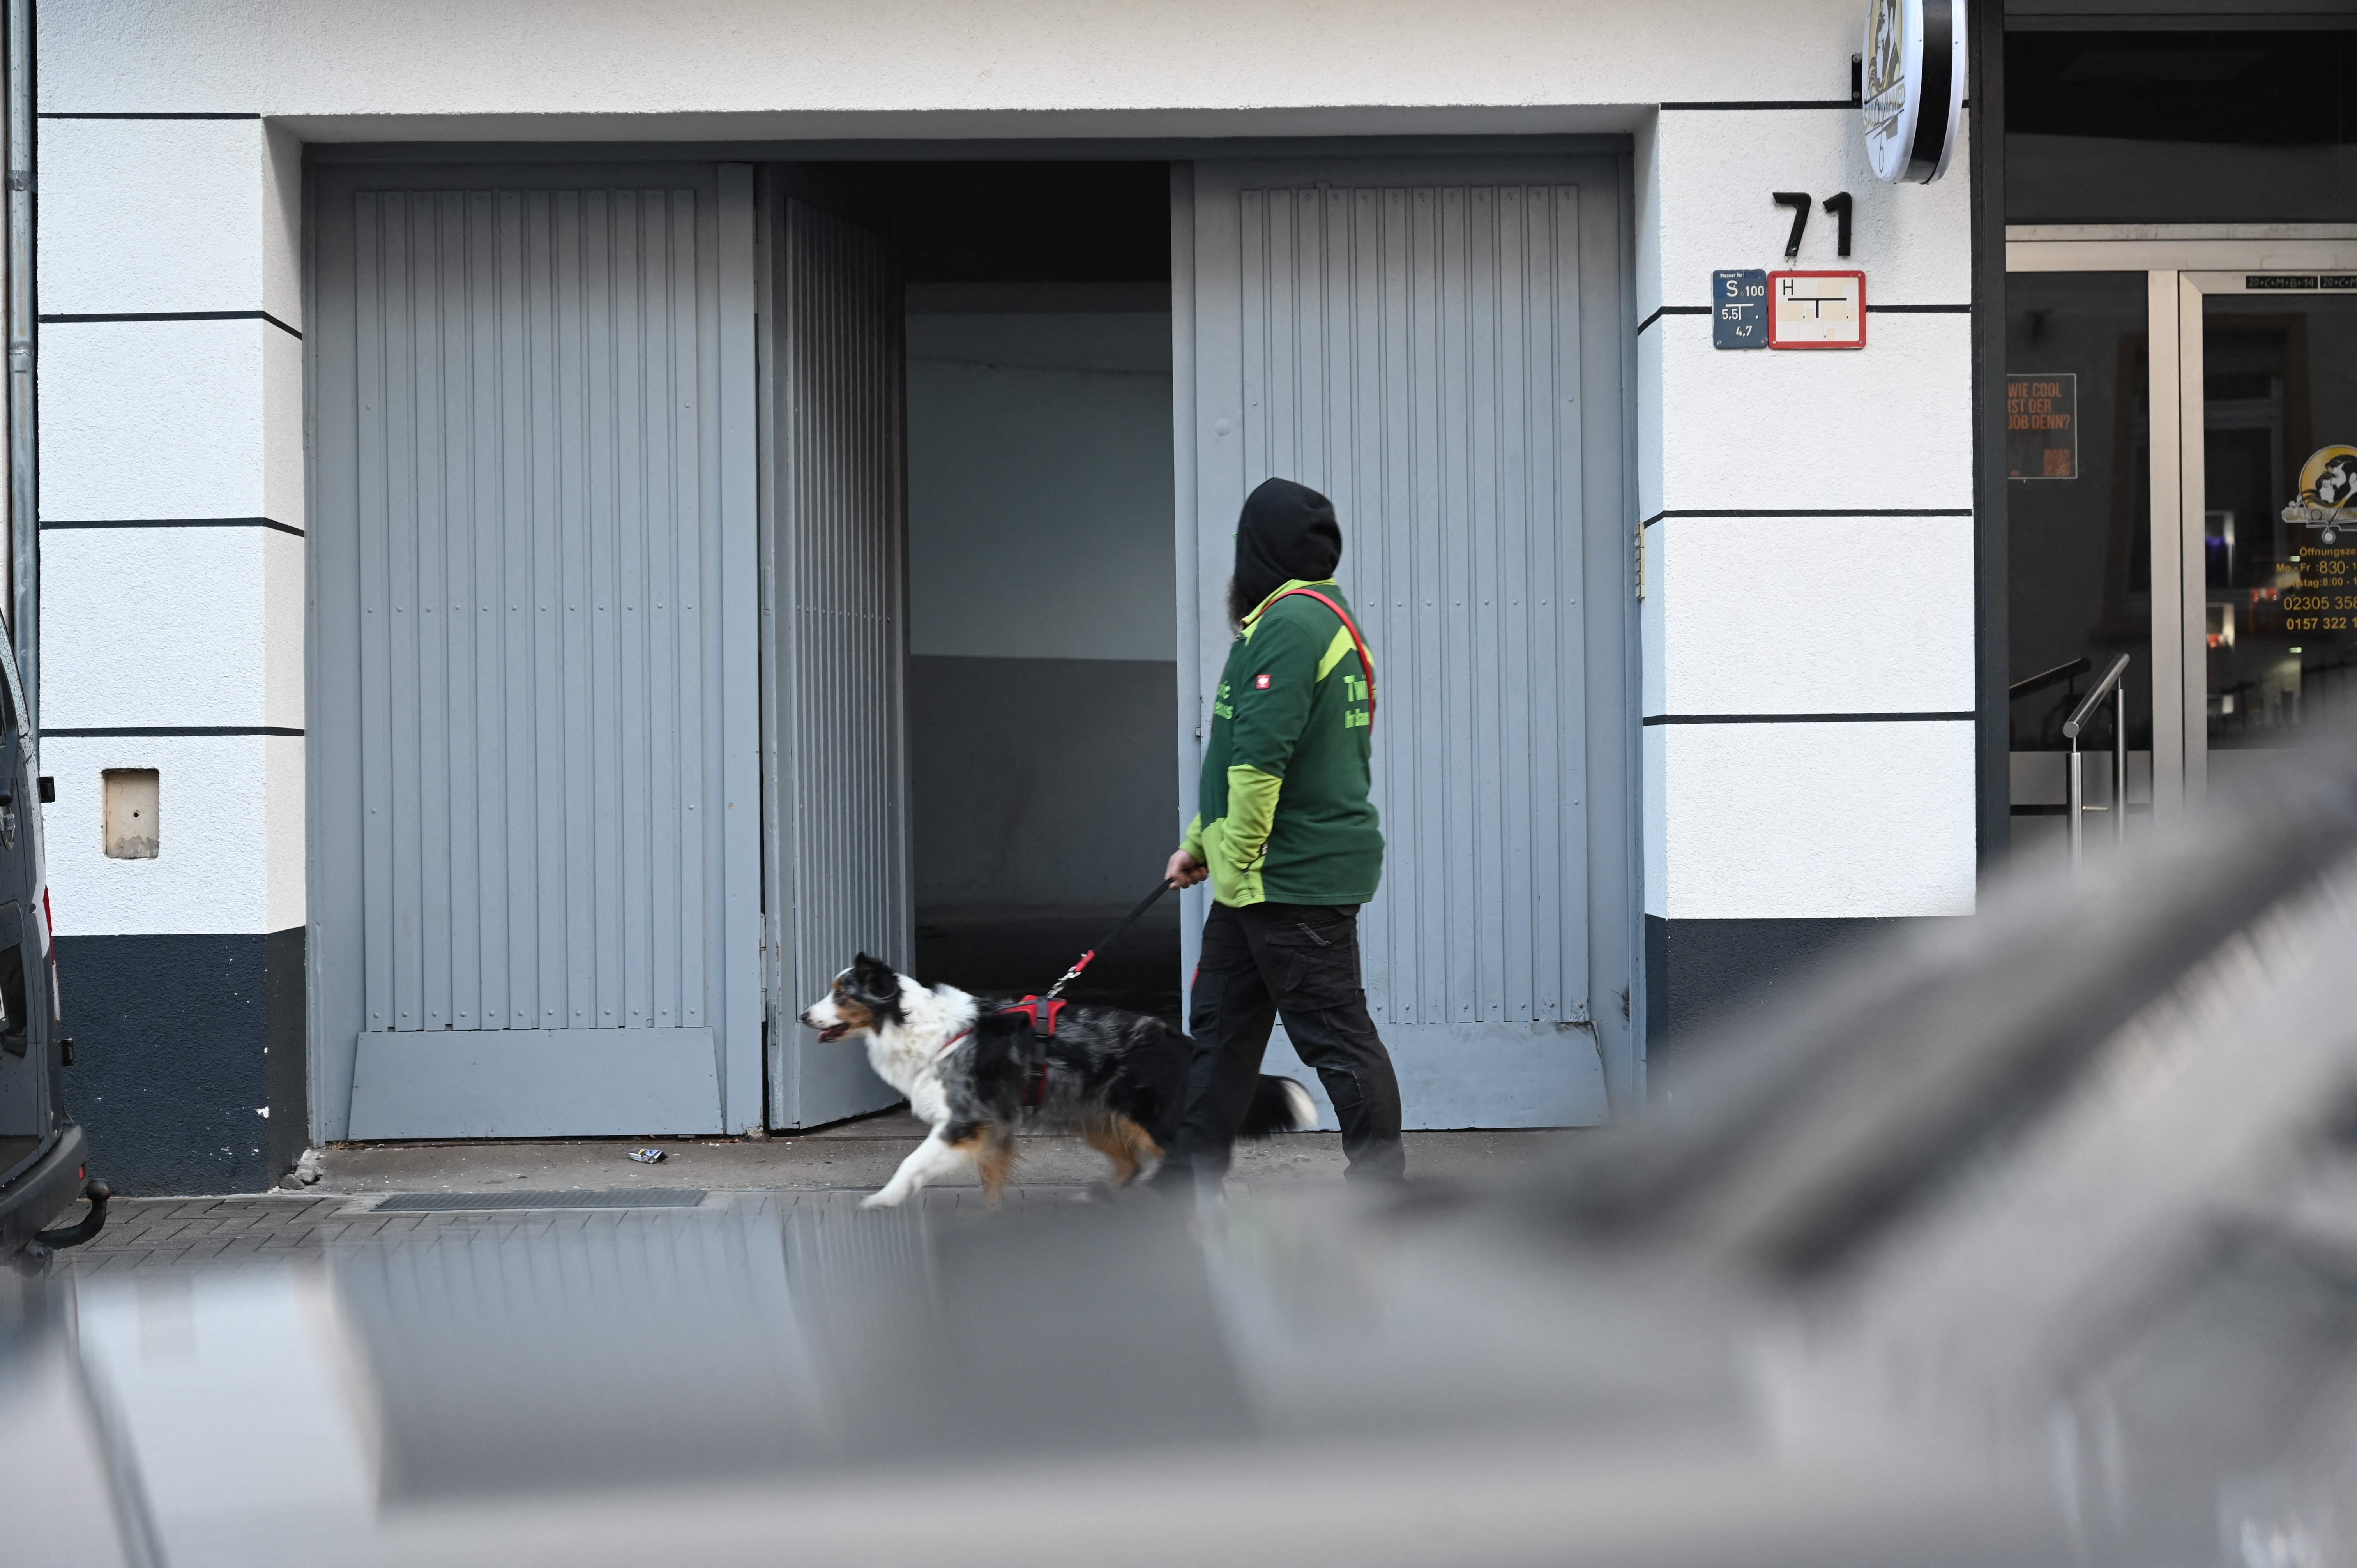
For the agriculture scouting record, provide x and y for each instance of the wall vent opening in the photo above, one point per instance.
(131, 823)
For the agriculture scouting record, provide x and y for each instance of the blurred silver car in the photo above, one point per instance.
(2027, 1238)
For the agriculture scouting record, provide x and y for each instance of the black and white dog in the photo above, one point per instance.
(979, 1075)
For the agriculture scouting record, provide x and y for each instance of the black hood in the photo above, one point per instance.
(1286, 532)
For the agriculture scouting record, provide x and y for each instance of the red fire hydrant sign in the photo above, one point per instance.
(1816, 310)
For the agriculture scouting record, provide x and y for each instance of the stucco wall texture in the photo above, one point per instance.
(570, 58)
(1808, 529)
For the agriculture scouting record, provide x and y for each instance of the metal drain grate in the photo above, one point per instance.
(612, 1197)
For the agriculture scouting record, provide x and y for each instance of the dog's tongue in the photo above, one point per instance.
(834, 1032)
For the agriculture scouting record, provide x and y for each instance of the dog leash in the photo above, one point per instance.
(1109, 938)
(1029, 1003)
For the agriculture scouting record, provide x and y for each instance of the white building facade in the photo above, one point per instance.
(654, 349)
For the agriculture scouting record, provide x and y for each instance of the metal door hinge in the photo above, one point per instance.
(1642, 568)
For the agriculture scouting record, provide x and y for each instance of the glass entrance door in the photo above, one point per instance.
(2182, 459)
(2078, 510)
(2269, 384)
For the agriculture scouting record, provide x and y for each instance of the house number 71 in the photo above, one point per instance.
(1839, 205)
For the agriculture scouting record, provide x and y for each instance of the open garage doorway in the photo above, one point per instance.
(1042, 676)
(970, 679)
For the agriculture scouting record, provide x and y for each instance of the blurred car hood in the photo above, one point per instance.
(2021, 1239)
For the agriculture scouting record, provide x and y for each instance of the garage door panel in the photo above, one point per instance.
(593, 589)
(840, 878)
(1405, 336)
(531, 478)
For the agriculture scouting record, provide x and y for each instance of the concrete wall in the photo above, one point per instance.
(1041, 580)
(1042, 785)
(1040, 473)
(172, 516)
(1807, 521)
(704, 68)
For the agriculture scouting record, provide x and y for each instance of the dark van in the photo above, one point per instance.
(42, 1153)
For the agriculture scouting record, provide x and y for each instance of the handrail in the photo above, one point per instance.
(2077, 721)
(2108, 685)
(2045, 678)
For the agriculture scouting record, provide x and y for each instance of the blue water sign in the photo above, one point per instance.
(1738, 309)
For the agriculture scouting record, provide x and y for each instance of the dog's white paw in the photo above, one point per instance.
(880, 1200)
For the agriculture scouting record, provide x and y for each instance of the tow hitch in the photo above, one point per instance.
(88, 1225)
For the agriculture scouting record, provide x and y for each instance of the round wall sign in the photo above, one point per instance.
(1912, 96)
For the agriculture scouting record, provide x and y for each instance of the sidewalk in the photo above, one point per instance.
(859, 1155)
(382, 1193)
(143, 1235)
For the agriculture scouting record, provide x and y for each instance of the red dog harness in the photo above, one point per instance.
(1366, 659)
(1042, 1014)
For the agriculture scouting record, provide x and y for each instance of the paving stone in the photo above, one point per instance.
(152, 1236)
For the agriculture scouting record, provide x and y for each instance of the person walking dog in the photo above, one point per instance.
(1290, 842)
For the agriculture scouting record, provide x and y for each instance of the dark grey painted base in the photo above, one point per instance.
(286, 1075)
(1701, 973)
(180, 1042)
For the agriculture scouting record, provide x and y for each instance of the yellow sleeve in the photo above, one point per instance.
(1238, 842)
(1193, 843)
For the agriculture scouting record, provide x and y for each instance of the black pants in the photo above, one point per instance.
(1301, 960)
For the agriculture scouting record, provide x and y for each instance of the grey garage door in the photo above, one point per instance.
(534, 729)
(837, 640)
(1423, 340)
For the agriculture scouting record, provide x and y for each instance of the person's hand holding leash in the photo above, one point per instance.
(1184, 870)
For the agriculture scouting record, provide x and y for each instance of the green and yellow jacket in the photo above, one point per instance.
(1285, 818)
